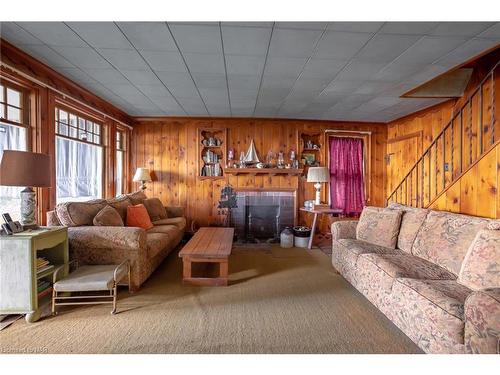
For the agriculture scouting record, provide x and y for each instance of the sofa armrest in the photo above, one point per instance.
(482, 321)
(345, 229)
(102, 237)
(52, 219)
(174, 211)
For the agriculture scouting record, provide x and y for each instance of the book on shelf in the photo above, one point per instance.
(211, 157)
(44, 268)
(45, 292)
(42, 285)
(41, 262)
(213, 170)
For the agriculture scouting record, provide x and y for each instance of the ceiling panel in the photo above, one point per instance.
(153, 36)
(335, 70)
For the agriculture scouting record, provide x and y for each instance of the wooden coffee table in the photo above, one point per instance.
(208, 245)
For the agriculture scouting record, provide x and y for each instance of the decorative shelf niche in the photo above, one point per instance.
(269, 171)
(311, 147)
(212, 152)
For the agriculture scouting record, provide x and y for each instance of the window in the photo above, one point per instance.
(120, 161)
(13, 136)
(79, 157)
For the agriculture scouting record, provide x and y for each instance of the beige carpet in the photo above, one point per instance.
(279, 301)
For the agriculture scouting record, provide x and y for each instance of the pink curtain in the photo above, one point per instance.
(347, 185)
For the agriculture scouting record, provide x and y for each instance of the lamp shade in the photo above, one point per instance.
(318, 174)
(21, 168)
(142, 174)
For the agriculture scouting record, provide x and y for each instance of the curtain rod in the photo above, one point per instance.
(347, 131)
(43, 84)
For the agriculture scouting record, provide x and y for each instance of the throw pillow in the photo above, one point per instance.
(155, 209)
(108, 217)
(137, 197)
(379, 226)
(137, 216)
(74, 214)
(481, 265)
(120, 204)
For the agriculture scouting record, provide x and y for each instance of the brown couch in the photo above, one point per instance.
(440, 283)
(91, 244)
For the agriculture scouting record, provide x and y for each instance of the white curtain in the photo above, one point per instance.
(11, 138)
(78, 170)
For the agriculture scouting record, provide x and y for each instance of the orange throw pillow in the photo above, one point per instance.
(137, 216)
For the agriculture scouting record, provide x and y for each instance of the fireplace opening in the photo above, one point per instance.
(261, 215)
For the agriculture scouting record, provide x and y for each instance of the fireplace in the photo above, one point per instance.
(262, 215)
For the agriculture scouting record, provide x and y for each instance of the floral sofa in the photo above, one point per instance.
(93, 244)
(439, 282)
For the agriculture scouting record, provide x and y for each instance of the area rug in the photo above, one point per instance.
(274, 304)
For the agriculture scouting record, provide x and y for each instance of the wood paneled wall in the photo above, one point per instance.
(169, 147)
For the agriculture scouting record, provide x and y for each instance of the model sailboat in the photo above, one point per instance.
(251, 156)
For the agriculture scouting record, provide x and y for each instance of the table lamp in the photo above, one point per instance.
(28, 169)
(318, 175)
(142, 175)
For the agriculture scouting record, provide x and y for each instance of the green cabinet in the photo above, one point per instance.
(19, 276)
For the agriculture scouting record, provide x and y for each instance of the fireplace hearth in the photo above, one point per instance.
(262, 215)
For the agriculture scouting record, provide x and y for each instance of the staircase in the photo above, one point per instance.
(471, 132)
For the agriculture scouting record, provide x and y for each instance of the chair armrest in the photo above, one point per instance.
(174, 211)
(101, 237)
(482, 321)
(120, 270)
(345, 229)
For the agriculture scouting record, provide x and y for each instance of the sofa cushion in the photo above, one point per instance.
(481, 266)
(137, 216)
(179, 222)
(431, 312)
(156, 242)
(411, 222)
(155, 208)
(359, 247)
(73, 214)
(445, 238)
(405, 265)
(379, 226)
(120, 204)
(108, 217)
(136, 197)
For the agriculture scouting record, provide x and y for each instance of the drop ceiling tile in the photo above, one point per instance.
(180, 84)
(244, 65)
(355, 27)
(341, 45)
(466, 51)
(16, 35)
(461, 28)
(245, 40)
(219, 110)
(249, 24)
(426, 73)
(398, 89)
(242, 111)
(105, 76)
(210, 81)
(243, 82)
(329, 97)
(386, 47)
(124, 58)
(47, 55)
(302, 25)
(83, 57)
(243, 101)
(164, 61)
(154, 90)
(409, 28)
(278, 82)
(100, 34)
(359, 70)
(343, 86)
(373, 87)
(153, 36)
(397, 72)
(284, 66)
(428, 49)
(311, 84)
(293, 42)
(53, 33)
(140, 77)
(202, 63)
(168, 105)
(323, 68)
(197, 38)
(78, 76)
(493, 32)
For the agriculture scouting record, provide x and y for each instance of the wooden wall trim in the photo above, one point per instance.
(405, 137)
(20, 63)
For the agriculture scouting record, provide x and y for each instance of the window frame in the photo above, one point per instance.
(25, 109)
(80, 114)
(124, 148)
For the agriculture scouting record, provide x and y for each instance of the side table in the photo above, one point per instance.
(19, 276)
(319, 211)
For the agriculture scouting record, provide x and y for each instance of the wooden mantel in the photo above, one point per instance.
(268, 171)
